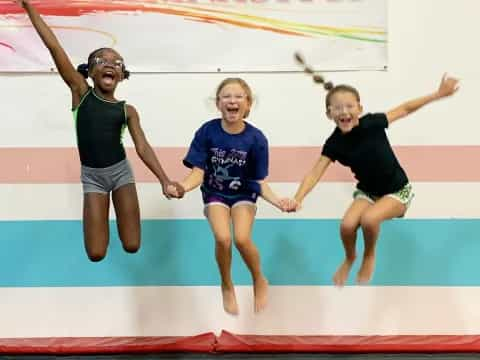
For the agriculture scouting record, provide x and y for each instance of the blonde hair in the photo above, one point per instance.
(243, 84)
(341, 88)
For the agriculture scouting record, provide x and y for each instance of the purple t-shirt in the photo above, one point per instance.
(233, 163)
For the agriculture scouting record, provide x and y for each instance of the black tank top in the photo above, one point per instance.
(100, 125)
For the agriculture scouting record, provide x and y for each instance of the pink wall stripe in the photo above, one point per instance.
(287, 164)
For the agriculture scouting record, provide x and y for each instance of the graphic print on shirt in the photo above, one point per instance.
(225, 166)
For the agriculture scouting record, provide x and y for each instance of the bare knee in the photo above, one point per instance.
(223, 241)
(96, 247)
(348, 227)
(242, 242)
(131, 248)
(96, 255)
(369, 222)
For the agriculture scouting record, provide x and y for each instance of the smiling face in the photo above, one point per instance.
(106, 68)
(344, 109)
(234, 100)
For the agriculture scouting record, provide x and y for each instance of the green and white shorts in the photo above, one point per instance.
(404, 195)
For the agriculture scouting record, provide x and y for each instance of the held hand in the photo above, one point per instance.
(286, 205)
(168, 190)
(289, 205)
(174, 190)
(283, 204)
(448, 86)
(295, 205)
(180, 191)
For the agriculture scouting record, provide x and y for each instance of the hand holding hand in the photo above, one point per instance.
(179, 190)
(174, 190)
(289, 205)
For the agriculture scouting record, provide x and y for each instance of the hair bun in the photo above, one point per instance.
(83, 69)
(319, 79)
(328, 85)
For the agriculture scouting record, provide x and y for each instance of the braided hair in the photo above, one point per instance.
(317, 78)
(328, 86)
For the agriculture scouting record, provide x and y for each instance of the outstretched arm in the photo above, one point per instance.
(69, 74)
(144, 150)
(448, 86)
(310, 180)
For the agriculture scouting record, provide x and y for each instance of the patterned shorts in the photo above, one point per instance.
(404, 195)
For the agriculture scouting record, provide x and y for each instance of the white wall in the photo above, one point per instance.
(426, 38)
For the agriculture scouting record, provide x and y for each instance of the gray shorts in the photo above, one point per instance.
(104, 180)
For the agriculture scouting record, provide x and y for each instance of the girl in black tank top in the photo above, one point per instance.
(100, 121)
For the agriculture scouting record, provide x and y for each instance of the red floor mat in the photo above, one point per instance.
(228, 342)
(108, 345)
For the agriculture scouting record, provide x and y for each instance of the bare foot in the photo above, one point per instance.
(341, 275)
(229, 300)
(260, 293)
(366, 270)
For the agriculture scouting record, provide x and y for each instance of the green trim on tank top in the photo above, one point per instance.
(105, 100)
(122, 133)
(75, 110)
(125, 114)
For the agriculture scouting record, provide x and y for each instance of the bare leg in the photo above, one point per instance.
(383, 209)
(348, 233)
(219, 219)
(243, 217)
(95, 224)
(125, 202)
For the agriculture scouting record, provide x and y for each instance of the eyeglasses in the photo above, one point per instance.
(103, 62)
(342, 107)
(228, 97)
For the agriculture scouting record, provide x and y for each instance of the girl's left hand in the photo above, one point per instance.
(175, 190)
(289, 205)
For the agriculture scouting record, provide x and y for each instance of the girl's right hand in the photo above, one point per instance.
(290, 205)
(171, 191)
(179, 190)
(175, 190)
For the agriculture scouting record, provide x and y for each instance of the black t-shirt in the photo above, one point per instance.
(368, 153)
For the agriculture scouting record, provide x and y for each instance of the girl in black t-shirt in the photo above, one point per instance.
(359, 142)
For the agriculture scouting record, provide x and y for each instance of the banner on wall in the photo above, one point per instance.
(202, 35)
